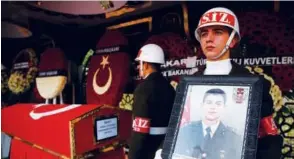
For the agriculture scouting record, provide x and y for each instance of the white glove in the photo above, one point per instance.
(158, 154)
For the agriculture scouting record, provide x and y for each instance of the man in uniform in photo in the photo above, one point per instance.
(153, 102)
(209, 138)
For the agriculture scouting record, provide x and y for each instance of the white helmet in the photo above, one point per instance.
(219, 16)
(151, 53)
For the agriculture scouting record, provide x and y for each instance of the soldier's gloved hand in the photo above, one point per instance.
(158, 154)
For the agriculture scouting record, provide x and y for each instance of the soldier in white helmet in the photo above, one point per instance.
(153, 101)
(218, 32)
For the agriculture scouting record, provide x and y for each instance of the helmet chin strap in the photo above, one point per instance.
(227, 45)
(141, 67)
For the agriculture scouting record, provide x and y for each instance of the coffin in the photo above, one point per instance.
(65, 131)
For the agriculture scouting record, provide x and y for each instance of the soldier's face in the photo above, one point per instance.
(213, 107)
(141, 72)
(213, 40)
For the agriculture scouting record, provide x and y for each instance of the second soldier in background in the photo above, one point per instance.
(153, 102)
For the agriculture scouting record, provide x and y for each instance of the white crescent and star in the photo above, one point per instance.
(102, 89)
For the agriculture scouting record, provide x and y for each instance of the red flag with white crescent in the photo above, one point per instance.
(186, 113)
(108, 70)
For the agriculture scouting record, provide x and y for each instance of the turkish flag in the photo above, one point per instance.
(50, 131)
(186, 113)
(20, 149)
(106, 82)
(108, 70)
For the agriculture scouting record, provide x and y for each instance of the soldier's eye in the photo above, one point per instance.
(203, 34)
(218, 32)
(219, 103)
(208, 102)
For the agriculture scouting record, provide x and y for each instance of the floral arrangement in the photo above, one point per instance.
(127, 102)
(284, 112)
(275, 90)
(20, 80)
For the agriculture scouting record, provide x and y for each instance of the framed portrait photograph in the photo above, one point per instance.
(214, 117)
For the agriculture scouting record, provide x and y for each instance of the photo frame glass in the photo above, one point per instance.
(221, 112)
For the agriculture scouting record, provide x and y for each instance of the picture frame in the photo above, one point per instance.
(228, 106)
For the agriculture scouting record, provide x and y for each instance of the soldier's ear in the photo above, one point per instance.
(144, 65)
(234, 42)
(147, 65)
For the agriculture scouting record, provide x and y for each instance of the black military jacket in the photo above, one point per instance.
(153, 99)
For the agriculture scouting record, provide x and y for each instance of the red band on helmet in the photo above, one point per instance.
(217, 17)
(141, 125)
(139, 53)
(267, 127)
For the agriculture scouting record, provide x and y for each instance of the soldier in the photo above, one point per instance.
(153, 101)
(209, 138)
(218, 32)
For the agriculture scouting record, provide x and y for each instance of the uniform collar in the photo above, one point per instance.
(212, 127)
(222, 67)
(236, 69)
